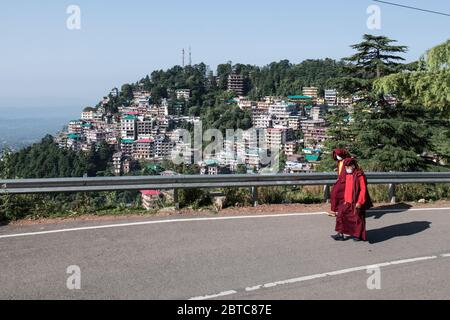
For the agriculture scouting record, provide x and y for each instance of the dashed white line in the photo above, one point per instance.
(328, 274)
(222, 294)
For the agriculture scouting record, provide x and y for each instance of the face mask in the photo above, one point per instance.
(349, 171)
(339, 158)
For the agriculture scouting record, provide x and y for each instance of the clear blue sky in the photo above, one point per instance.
(47, 69)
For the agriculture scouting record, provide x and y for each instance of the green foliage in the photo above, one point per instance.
(383, 137)
(15, 207)
(225, 116)
(237, 196)
(429, 87)
(194, 198)
(411, 192)
(280, 195)
(375, 57)
(126, 92)
(438, 58)
(47, 160)
(391, 139)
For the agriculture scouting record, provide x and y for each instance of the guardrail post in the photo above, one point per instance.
(176, 200)
(255, 196)
(326, 194)
(392, 197)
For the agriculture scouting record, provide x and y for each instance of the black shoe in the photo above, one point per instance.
(338, 237)
(355, 239)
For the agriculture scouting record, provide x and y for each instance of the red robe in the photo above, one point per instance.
(337, 193)
(350, 220)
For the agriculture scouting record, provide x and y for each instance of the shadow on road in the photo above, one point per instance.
(379, 212)
(398, 230)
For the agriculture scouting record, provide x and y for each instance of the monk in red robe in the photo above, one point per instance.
(351, 217)
(337, 193)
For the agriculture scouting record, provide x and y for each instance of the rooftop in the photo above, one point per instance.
(145, 140)
(298, 97)
(150, 192)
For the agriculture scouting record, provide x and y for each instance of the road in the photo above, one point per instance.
(287, 256)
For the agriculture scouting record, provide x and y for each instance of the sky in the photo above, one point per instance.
(48, 70)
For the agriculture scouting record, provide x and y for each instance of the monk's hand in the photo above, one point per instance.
(358, 206)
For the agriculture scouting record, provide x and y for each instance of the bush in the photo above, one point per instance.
(195, 198)
(237, 196)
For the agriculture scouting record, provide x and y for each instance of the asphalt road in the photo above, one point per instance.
(258, 257)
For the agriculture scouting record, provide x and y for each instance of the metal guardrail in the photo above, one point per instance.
(97, 184)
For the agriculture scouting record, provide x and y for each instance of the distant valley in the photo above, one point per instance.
(17, 133)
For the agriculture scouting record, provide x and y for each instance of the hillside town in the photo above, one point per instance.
(147, 132)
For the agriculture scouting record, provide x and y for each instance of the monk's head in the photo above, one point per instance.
(341, 154)
(350, 165)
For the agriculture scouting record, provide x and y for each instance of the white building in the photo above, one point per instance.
(331, 97)
(128, 127)
(183, 94)
(75, 126)
(282, 109)
(312, 92)
(87, 114)
(275, 138)
(262, 121)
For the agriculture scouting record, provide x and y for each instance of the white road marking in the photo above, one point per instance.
(195, 219)
(329, 274)
(222, 294)
(159, 222)
(446, 255)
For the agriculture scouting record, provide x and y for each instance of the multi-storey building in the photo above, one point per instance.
(144, 127)
(293, 123)
(75, 126)
(74, 141)
(275, 137)
(236, 84)
(312, 92)
(282, 109)
(128, 127)
(163, 147)
(143, 149)
(126, 146)
(117, 163)
(331, 97)
(344, 101)
(262, 121)
(290, 148)
(87, 114)
(183, 94)
(317, 112)
(314, 131)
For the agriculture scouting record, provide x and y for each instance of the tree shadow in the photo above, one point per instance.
(379, 212)
(398, 230)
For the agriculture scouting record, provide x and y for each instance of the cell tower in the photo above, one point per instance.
(182, 57)
(190, 56)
